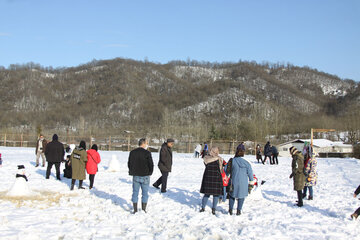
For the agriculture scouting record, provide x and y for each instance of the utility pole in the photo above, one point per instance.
(315, 130)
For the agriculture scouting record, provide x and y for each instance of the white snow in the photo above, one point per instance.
(105, 212)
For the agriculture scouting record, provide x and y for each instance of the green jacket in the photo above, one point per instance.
(78, 163)
(298, 171)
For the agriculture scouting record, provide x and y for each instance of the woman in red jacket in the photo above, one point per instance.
(91, 165)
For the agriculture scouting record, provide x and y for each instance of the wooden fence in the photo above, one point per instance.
(123, 143)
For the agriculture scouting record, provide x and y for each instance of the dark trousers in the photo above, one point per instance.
(57, 167)
(275, 159)
(300, 198)
(266, 158)
(259, 158)
(73, 181)
(162, 181)
(91, 178)
(358, 211)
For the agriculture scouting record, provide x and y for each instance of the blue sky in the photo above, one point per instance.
(322, 34)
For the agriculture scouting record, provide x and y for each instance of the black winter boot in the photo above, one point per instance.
(238, 212)
(202, 210)
(72, 184)
(143, 206)
(213, 211)
(80, 184)
(230, 211)
(135, 208)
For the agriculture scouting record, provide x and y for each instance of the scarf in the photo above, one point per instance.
(213, 157)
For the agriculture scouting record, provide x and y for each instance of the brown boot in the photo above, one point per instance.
(354, 215)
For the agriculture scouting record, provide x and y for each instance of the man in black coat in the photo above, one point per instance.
(165, 164)
(141, 167)
(267, 152)
(54, 153)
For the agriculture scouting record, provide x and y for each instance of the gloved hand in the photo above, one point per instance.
(309, 179)
(291, 175)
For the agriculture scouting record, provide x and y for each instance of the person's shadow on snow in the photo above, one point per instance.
(292, 204)
(114, 198)
(184, 197)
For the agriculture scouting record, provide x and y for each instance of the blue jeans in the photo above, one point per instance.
(232, 202)
(310, 191)
(143, 183)
(206, 198)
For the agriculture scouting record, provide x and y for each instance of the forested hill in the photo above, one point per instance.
(244, 99)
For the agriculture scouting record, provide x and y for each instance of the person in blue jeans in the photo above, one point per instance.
(212, 183)
(141, 167)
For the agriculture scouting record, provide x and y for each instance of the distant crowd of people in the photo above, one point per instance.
(223, 180)
(78, 160)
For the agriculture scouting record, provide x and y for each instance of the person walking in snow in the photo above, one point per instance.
(258, 153)
(54, 153)
(267, 152)
(40, 150)
(141, 167)
(93, 159)
(275, 154)
(165, 164)
(205, 151)
(298, 173)
(78, 161)
(198, 150)
(356, 214)
(241, 173)
(212, 183)
(311, 180)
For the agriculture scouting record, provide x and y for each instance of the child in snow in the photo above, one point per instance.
(357, 212)
(311, 173)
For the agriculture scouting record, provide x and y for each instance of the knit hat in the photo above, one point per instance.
(55, 137)
(170, 140)
(21, 167)
(293, 150)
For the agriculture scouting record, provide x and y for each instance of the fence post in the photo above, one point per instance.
(21, 140)
(189, 145)
(128, 145)
(5, 140)
(91, 143)
(109, 143)
(211, 143)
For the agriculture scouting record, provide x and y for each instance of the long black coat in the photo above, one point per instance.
(212, 181)
(140, 162)
(54, 152)
(165, 161)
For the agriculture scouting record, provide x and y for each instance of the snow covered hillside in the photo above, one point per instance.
(104, 212)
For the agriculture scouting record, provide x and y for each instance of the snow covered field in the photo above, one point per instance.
(104, 212)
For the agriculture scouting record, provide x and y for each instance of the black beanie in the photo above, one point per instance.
(83, 145)
(55, 137)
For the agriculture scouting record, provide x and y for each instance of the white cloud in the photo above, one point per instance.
(5, 34)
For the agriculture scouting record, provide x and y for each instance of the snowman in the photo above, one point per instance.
(20, 187)
(114, 165)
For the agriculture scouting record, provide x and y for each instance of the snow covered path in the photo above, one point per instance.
(104, 212)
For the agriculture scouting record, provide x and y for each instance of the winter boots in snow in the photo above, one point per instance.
(213, 211)
(143, 206)
(238, 212)
(231, 212)
(135, 208)
(80, 184)
(202, 210)
(354, 216)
